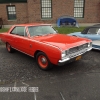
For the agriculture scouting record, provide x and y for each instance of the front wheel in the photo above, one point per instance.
(43, 61)
(9, 48)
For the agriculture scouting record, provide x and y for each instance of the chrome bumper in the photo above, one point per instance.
(73, 56)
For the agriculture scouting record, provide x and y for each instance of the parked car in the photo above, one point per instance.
(42, 42)
(91, 32)
(67, 21)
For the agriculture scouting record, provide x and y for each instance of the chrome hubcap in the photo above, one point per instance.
(43, 60)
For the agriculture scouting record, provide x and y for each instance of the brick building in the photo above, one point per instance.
(48, 11)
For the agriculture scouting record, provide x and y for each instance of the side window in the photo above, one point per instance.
(85, 31)
(20, 30)
(93, 31)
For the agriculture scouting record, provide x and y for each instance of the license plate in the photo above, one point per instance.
(78, 58)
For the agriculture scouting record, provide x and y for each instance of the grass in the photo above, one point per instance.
(63, 30)
(4, 30)
(67, 30)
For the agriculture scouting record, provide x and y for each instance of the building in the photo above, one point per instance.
(48, 11)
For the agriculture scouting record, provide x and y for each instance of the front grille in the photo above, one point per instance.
(72, 55)
(78, 48)
(73, 52)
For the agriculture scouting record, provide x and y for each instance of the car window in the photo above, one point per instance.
(41, 30)
(85, 31)
(20, 30)
(93, 31)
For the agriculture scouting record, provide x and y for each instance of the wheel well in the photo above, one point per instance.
(36, 52)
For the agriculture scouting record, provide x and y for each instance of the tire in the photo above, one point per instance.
(9, 48)
(43, 61)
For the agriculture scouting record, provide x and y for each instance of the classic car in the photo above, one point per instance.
(42, 42)
(91, 32)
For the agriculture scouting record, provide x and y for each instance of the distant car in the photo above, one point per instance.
(67, 21)
(43, 43)
(92, 32)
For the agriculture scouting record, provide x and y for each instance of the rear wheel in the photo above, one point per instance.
(9, 48)
(43, 61)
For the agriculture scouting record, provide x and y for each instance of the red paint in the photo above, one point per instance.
(52, 45)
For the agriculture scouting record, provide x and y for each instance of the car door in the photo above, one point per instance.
(21, 41)
(92, 33)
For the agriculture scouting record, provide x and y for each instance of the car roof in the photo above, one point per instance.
(93, 26)
(31, 24)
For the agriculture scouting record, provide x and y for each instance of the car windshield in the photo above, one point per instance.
(90, 30)
(93, 30)
(41, 30)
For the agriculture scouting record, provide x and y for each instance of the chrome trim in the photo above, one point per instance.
(90, 48)
(22, 52)
(77, 45)
(96, 48)
(70, 57)
(47, 44)
(77, 53)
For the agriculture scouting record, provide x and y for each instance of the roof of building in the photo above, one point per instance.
(13, 1)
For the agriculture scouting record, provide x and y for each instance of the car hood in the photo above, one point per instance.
(61, 41)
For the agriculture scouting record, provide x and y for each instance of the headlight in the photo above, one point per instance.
(64, 54)
(90, 44)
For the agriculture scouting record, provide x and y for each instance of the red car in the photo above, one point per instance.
(44, 43)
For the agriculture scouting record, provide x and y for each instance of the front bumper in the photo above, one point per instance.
(73, 58)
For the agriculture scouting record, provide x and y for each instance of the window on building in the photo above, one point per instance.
(79, 8)
(11, 12)
(46, 8)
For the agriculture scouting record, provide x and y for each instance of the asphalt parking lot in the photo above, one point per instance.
(75, 81)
